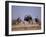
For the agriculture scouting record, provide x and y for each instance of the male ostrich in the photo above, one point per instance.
(28, 18)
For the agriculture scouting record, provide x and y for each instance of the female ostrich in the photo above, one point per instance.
(37, 21)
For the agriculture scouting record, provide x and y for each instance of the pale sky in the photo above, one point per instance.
(21, 11)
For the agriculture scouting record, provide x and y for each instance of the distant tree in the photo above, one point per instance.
(28, 18)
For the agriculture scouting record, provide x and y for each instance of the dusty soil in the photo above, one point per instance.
(26, 26)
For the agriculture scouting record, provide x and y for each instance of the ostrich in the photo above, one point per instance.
(18, 20)
(28, 18)
(37, 21)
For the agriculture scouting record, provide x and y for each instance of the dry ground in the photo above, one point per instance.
(26, 26)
